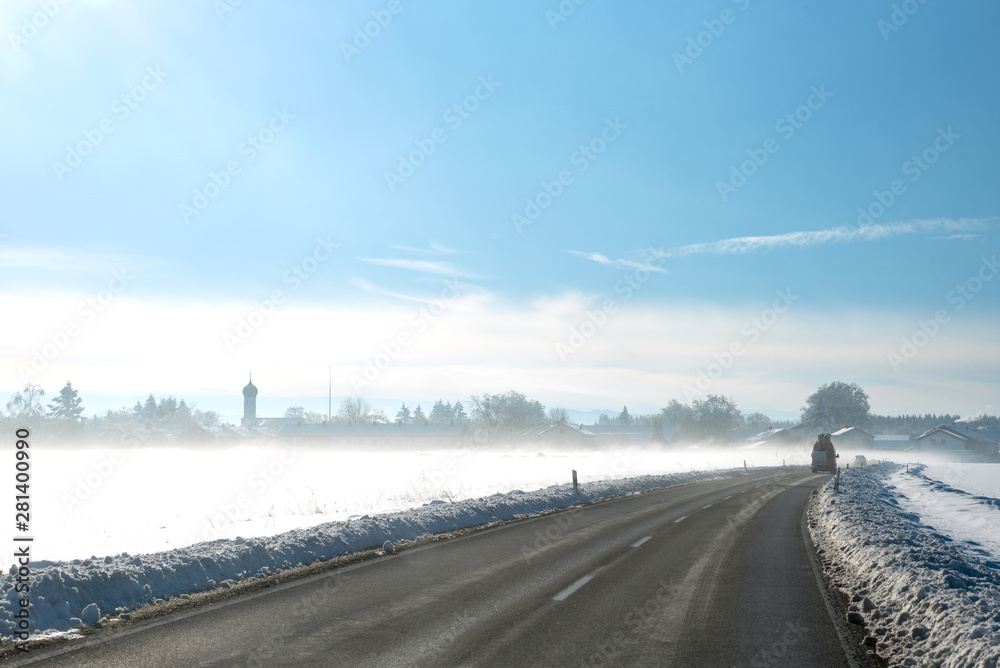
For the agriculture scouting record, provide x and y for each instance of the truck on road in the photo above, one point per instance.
(824, 456)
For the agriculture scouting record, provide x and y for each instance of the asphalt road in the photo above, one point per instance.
(707, 574)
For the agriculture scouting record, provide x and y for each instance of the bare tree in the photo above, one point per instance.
(354, 409)
(757, 421)
(557, 414)
(26, 407)
(503, 415)
(836, 404)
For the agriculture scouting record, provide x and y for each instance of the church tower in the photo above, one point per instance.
(250, 404)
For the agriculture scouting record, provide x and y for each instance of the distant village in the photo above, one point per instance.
(512, 419)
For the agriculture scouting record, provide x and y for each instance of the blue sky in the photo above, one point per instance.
(179, 92)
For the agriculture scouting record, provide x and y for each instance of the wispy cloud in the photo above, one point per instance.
(434, 248)
(422, 266)
(54, 259)
(843, 234)
(467, 289)
(373, 289)
(622, 263)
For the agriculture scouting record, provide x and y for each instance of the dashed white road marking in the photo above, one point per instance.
(570, 590)
(680, 519)
(708, 506)
(641, 541)
(728, 497)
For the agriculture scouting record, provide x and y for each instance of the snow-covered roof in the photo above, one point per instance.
(962, 432)
(541, 429)
(848, 430)
(636, 433)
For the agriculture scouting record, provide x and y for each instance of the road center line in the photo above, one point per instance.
(728, 497)
(641, 541)
(680, 519)
(708, 506)
(570, 590)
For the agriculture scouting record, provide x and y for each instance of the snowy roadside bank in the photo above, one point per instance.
(924, 598)
(68, 594)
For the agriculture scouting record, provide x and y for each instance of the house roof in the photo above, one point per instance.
(540, 429)
(962, 432)
(848, 430)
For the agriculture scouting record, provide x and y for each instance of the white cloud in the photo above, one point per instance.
(842, 234)
(621, 263)
(422, 266)
(58, 260)
(641, 355)
(434, 248)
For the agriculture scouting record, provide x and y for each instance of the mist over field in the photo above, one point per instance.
(101, 501)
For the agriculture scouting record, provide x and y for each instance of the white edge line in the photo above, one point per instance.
(680, 519)
(570, 590)
(641, 541)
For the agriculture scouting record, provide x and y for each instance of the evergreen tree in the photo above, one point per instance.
(624, 417)
(439, 413)
(403, 416)
(418, 415)
(458, 412)
(67, 405)
(148, 412)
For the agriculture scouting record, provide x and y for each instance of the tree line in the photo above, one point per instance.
(64, 414)
(498, 416)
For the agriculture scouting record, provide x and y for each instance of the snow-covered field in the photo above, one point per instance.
(918, 560)
(117, 530)
(95, 502)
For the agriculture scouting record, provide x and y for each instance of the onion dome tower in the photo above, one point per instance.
(250, 404)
